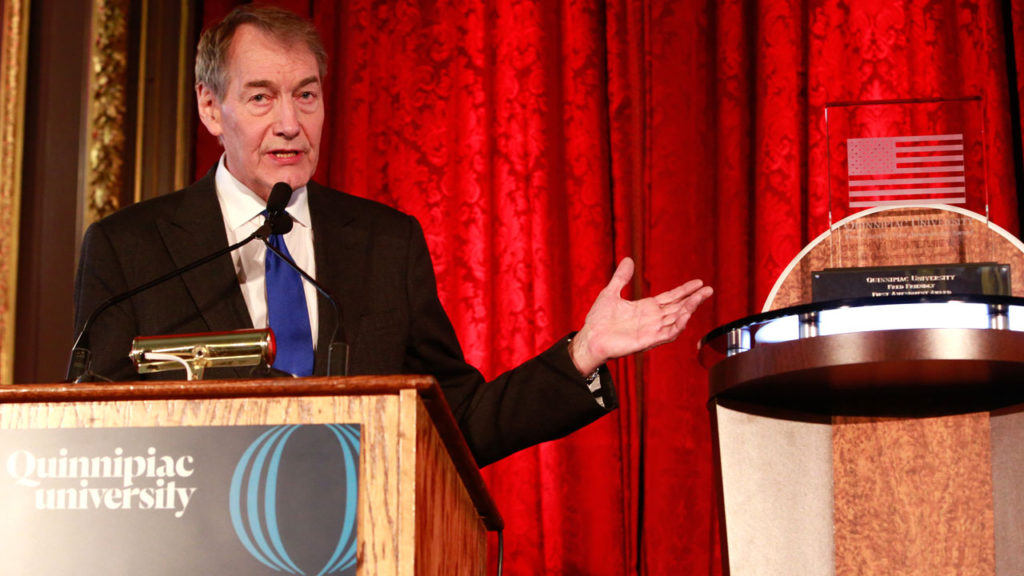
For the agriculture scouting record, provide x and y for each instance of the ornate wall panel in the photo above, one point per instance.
(138, 138)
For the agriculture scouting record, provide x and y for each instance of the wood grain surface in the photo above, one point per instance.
(416, 515)
(898, 237)
(913, 496)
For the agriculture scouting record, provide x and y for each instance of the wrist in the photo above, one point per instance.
(585, 361)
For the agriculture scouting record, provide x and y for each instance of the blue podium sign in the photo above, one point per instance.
(180, 500)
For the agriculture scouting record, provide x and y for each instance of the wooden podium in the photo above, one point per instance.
(423, 507)
(879, 450)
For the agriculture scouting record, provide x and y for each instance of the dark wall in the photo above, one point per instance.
(54, 108)
(54, 154)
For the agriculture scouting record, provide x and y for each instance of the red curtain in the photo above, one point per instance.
(540, 142)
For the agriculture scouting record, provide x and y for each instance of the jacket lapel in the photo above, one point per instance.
(195, 231)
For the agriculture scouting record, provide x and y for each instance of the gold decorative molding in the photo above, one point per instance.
(13, 63)
(107, 109)
(183, 147)
(140, 96)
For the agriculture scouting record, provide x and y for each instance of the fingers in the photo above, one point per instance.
(690, 303)
(677, 313)
(680, 293)
(623, 274)
(698, 297)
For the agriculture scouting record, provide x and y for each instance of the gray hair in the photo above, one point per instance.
(215, 42)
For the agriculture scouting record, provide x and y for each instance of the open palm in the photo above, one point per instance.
(617, 327)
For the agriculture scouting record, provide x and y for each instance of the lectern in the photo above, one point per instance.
(889, 451)
(870, 419)
(422, 506)
(873, 435)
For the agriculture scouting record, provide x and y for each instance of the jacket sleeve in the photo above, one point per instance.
(99, 278)
(542, 399)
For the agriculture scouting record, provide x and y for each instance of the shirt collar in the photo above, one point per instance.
(241, 205)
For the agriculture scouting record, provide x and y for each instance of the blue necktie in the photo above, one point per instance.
(287, 313)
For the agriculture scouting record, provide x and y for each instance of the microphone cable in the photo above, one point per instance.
(319, 288)
(501, 550)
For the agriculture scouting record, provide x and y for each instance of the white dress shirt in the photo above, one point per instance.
(241, 209)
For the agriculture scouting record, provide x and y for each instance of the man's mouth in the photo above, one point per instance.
(284, 153)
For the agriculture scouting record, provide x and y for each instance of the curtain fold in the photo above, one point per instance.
(540, 142)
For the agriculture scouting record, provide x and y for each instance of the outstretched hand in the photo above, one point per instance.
(617, 327)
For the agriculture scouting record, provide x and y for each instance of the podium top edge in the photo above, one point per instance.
(205, 389)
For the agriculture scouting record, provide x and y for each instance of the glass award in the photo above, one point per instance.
(906, 184)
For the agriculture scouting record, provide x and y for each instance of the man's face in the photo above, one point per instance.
(271, 116)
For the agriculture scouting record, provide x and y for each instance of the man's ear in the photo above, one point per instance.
(209, 109)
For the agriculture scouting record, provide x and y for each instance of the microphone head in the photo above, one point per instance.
(280, 223)
(280, 194)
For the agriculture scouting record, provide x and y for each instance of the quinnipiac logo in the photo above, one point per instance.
(293, 509)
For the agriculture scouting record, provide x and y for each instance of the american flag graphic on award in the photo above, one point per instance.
(906, 170)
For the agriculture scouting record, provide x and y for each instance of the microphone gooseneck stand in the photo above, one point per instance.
(81, 355)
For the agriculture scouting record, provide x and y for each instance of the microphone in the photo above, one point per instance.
(81, 355)
(281, 223)
(278, 221)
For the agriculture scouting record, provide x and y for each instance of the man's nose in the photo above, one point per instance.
(287, 124)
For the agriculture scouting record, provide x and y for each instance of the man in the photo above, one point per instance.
(259, 90)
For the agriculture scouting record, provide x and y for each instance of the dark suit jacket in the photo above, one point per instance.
(372, 259)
